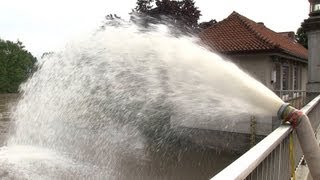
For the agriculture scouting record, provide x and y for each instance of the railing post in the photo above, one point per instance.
(253, 124)
(275, 145)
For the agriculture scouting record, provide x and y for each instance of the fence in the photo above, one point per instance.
(297, 98)
(270, 158)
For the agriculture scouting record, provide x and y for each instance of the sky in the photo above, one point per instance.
(48, 25)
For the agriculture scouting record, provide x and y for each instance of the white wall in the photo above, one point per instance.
(304, 77)
(258, 66)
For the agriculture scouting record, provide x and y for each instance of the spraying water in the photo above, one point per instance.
(121, 93)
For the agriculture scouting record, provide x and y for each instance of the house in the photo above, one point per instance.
(275, 59)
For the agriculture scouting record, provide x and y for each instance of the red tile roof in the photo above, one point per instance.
(237, 34)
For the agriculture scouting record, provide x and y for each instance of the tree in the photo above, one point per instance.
(182, 13)
(301, 37)
(16, 65)
(47, 54)
(205, 25)
(111, 20)
(144, 6)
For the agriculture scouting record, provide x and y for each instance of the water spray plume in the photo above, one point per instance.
(111, 95)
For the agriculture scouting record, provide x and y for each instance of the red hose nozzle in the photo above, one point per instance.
(290, 114)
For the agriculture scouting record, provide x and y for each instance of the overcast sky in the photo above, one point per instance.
(47, 25)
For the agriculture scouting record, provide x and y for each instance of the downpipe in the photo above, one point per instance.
(309, 145)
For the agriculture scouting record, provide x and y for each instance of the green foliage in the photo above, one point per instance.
(144, 6)
(47, 54)
(182, 12)
(205, 25)
(111, 20)
(301, 37)
(16, 65)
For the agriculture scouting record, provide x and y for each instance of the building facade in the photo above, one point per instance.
(275, 59)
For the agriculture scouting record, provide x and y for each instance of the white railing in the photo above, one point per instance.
(269, 159)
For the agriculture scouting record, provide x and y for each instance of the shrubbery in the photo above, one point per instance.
(16, 65)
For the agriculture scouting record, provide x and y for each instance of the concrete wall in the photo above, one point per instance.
(313, 86)
(304, 77)
(314, 60)
(258, 66)
(261, 67)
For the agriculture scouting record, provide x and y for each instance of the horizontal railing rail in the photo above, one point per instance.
(269, 159)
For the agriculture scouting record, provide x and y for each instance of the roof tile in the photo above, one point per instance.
(238, 34)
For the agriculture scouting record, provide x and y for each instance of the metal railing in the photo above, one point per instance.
(297, 98)
(270, 159)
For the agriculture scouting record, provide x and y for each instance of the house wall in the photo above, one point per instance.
(295, 80)
(269, 71)
(304, 77)
(262, 67)
(258, 66)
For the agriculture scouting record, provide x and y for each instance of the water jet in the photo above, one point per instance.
(111, 103)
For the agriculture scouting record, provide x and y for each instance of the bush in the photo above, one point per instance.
(16, 65)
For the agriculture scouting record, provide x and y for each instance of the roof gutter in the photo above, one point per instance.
(288, 56)
(282, 54)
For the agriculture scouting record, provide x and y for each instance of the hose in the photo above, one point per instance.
(309, 145)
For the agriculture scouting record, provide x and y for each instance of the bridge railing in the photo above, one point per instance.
(270, 158)
(297, 98)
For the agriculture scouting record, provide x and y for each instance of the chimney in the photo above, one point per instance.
(289, 34)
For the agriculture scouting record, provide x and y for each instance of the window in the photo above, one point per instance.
(285, 77)
(296, 78)
(316, 7)
(278, 76)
